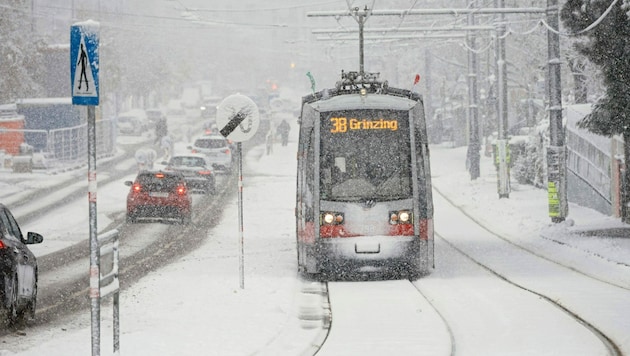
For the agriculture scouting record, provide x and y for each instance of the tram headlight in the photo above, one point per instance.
(331, 218)
(400, 217)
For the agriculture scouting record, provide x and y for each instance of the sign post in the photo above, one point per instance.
(238, 120)
(84, 67)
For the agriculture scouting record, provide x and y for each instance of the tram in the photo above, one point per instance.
(364, 199)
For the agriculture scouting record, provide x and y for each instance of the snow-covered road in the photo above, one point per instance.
(195, 305)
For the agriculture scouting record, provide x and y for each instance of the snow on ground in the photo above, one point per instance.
(195, 306)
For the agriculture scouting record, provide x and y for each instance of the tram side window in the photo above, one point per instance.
(310, 175)
(422, 162)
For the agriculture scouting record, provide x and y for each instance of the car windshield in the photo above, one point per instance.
(210, 143)
(188, 161)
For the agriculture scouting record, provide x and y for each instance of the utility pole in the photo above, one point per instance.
(556, 156)
(428, 82)
(472, 156)
(502, 149)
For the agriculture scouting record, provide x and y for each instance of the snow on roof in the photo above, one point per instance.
(45, 101)
(371, 101)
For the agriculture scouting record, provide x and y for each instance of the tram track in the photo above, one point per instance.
(610, 345)
(529, 250)
(389, 316)
(557, 300)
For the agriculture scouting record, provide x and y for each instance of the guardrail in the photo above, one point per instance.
(109, 284)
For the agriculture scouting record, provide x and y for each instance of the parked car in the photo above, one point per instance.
(217, 150)
(161, 195)
(133, 122)
(196, 171)
(209, 107)
(18, 270)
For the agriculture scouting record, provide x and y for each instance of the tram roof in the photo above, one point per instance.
(355, 101)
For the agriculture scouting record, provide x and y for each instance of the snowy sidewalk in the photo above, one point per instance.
(524, 215)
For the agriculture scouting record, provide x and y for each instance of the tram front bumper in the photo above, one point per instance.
(376, 251)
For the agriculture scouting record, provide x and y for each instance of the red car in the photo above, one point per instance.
(159, 195)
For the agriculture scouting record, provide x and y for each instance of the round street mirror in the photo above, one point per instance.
(238, 118)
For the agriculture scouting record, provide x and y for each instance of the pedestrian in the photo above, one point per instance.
(283, 129)
(269, 141)
(167, 146)
(161, 129)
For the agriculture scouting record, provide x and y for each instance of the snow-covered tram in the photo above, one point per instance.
(364, 199)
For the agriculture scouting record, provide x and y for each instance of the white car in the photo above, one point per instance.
(133, 122)
(217, 150)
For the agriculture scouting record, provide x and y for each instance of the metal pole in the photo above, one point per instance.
(94, 291)
(473, 109)
(438, 11)
(116, 316)
(502, 158)
(556, 158)
(241, 256)
(428, 98)
(361, 19)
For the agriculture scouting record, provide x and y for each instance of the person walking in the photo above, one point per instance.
(283, 129)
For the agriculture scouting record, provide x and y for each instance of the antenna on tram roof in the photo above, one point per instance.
(361, 18)
(353, 81)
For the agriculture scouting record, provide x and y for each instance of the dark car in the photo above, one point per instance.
(196, 171)
(160, 195)
(18, 270)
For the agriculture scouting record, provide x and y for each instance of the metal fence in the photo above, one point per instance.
(67, 147)
(592, 165)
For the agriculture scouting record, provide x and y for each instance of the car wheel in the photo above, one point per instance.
(186, 219)
(131, 219)
(32, 304)
(14, 310)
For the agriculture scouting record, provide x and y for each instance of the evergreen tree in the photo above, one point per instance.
(604, 29)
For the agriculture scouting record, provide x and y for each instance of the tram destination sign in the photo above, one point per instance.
(344, 124)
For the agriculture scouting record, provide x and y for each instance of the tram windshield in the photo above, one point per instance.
(365, 155)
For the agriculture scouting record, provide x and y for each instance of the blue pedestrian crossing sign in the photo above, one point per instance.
(84, 38)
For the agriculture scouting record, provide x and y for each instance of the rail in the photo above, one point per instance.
(109, 284)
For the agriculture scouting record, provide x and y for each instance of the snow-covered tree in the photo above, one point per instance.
(20, 53)
(604, 27)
